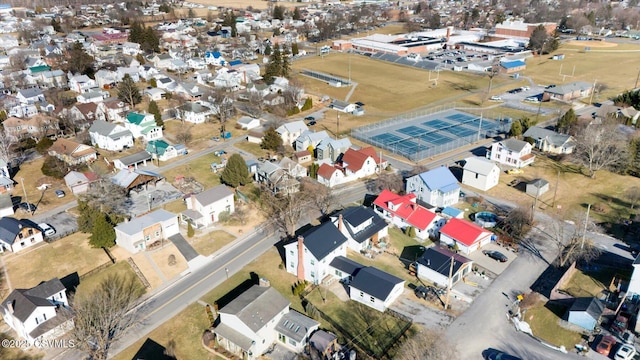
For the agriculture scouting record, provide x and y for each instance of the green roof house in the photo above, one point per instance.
(161, 150)
(143, 125)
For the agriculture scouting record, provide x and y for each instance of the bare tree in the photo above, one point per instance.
(518, 222)
(184, 136)
(601, 147)
(255, 106)
(6, 143)
(106, 196)
(389, 181)
(102, 316)
(320, 197)
(633, 195)
(224, 105)
(427, 344)
(571, 244)
(284, 210)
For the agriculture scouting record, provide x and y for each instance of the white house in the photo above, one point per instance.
(468, 236)
(634, 283)
(342, 106)
(308, 258)
(110, 136)
(78, 182)
(361, 226)
(360, 163)
(82, 83)
(550, 141)
(437, 187)
(193, 112)
(131, 49)
(375, 288)
(204, 209)
(289, 132)
(162, 150)
(480, 173)
(435, 263)
(257, 318)
(16, 235)
(136, 234)
(34, 314)
(154, 94)
(91, 97)
(248, 123)
(143, 125)
(30, 96)
(403, 211)
(330, 176)
(512, 152)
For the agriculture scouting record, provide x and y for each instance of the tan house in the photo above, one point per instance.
(16, 235)
(35, 127)
(72, 153)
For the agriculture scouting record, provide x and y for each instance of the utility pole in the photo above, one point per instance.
(26, 199)
(637, 78)
(446, 303)
(586, 221)
(592, 92)
(555, 191)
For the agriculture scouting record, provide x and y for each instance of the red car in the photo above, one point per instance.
(605, 345)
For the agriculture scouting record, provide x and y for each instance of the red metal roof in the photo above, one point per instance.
(326, 171)
(464, 231)
(406, 209)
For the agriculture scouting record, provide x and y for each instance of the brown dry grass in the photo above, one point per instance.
(57, 259)
(161, 258)
(207, 244)
(147, 269)
(593, 44)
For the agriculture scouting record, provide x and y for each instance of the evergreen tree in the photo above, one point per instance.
(136, 32)
(235, 172)
(150, 41)
(516, 129)
(271, 140)
(567, 122)
(102, 234)
(128, 91)
(285, 67)
(278, 12)
(267, 50)
(56, 25)
(294, 49)
(274, 67)
(153, 83)
(43, 145)
(155, 110)
(190, 230)
(296, 14)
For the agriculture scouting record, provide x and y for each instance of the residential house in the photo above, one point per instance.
(147, 72)
(512, 152)
(135, 179)
(82, 84)
(276, 178)
(91, 96)
(16, 235)
(293, 168)
(132, 161)
(568, 92)
(35, 127)
(325, 343)
(330, 176)
(138, 233)
(161, 150)
(79, 182)
(204, 209)
(72, 153)
(193, 112)
(330, 149)
(6, 184)
(131, 49)
(303, 156)
(154, 94)
(362, 227)
(35, 313)
(289, 132)
(403, 211)
(248, 123)
(342, 106)
(110, 136)
(467, 236)
(132, 71)
(255, 136)
(214, 58)
(437, 187)
(116, 110)
(87, 113)
(308, 139)
(375, 288)
(6, 205)
(585, 312)
(52, 79)
(254, 320)
(357, 164)
(550, 141)
(161, 61)
(227, 79)
(143, 126)
(442, 267)
(105, 79)
(309, 257)
(30, 96)
(480, 173)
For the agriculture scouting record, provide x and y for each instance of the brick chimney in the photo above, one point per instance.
(448, 33)
(340, 223)
(300, 257)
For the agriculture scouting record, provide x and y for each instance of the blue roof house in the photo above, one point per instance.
(437, 187)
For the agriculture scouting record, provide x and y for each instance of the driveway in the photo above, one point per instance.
(427, 315)
(487, 263)
(153, 197)
(63, 223)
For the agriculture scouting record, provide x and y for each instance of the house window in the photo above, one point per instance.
(372, 299)
(30, 231)
(147, 238)
(157, 234)
(477, 175)
(313, 262)
(338, 273)
(313, 274)
(20, 235)
(361, 294)
(292, 265)
(291, 252)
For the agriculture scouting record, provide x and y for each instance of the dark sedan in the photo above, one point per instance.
(27, 207)
(494, 354)
(496, 255)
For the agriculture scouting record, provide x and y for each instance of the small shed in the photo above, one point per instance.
(585, 312)
(537, 187)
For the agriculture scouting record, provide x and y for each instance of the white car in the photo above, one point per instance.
(626, 352)
(495, 98)
(47, 230)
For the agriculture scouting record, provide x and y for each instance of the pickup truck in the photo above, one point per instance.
(620, 324)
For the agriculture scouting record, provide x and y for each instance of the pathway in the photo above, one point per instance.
(155, 267)
(353, 88)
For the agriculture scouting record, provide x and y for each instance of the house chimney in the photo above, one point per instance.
(340, 222)
(448, 33)
(301, 257)
(10, 307)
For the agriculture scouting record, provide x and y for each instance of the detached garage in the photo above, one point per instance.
(468, 236)
(435, 263)
(537, 187)
(585, 312)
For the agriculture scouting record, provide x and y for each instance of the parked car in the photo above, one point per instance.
(496, 255)
(626, 352)
(515, 171)
(27, 207)
(311, 123)
(215, 138)
(219, 153)
(495, 98)
(309, 118)
(627, 337)
(60, 193)
(46, 229)
(533, 99)
(620, 324)
(421, 292)
(605, 345)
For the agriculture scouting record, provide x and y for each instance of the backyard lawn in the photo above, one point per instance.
(199, 169)
(60, 258)
(587, 283)
(120, 268)
(544, 320)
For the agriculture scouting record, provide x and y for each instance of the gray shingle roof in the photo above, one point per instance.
(25, 301)
(356, 215)
(479, 165)
(551, 136)
(514, 144)
(323, 239)
(375, 282)
(212, 195)
(591, 306)
(138, 224)
(105, 128)
(345, 265)
(295, 325)
(439, 260)
(10, 227)
(135, 158)
(257, 306)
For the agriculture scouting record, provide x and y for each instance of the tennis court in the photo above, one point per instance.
(428, 134)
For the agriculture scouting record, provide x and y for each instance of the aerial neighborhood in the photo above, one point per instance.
(319, 180)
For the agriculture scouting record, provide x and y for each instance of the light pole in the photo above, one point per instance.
(227, 271)
(149, 201)
(26, 199)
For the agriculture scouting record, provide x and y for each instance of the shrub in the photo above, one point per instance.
(190, 230)
(308, 104)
